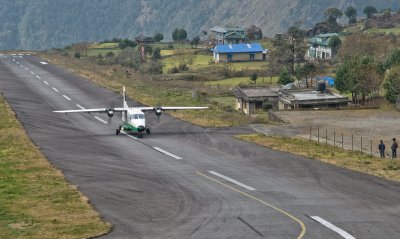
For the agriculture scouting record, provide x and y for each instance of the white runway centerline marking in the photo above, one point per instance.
(13, 59)
(232, 181)
(33, 73)
(130, 136)
(66, 97)
(80, 106)
(334, 228)
(55, 89)
(47, 83)
(26, 68)
(167, 153)
(101, 120)
(38, 77)
(44, 63)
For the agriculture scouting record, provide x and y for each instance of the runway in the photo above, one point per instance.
(184, 181)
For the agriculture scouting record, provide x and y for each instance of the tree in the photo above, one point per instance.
(360, 76)
(156, 54)
(332, 14)
(126, 43)
(393, 59)
(158, 37)
(254, 33)
(369, 11)
(307, 71)
(195, 41)
(290, 48)
(392, 85)
(179, 34)
(335, 43)
(351, 14)
(253, 78)
(285, 78)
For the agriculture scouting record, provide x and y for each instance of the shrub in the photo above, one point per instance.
(77, 55)
(173, 70)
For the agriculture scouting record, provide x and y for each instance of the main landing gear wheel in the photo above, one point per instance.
(148, 130)
(118, 130)
(140, 135)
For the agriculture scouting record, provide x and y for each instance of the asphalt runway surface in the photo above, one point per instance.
(184, 181)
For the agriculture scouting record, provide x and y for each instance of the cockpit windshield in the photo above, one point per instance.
(137, 116)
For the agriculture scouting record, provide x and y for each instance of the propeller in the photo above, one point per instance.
(110, 113)
(158, 110)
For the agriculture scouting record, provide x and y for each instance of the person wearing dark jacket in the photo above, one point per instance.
(381, 148)
(394, 148)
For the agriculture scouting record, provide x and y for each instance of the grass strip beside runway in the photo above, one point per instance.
(357, 161)
(35, 199)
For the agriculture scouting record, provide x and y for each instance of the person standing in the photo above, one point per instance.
(394, 148)
(381, 148)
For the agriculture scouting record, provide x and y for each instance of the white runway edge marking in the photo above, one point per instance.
(44, 63)
(101, 120)
(167, 153)
(232, 181)
(55, 89)
(66, 97)
(80, 106)
(334, 228)
(47, 83)
(38, 77)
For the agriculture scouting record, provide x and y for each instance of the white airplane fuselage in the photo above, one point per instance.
(134, 120)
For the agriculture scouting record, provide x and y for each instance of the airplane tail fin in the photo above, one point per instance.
(124, 98)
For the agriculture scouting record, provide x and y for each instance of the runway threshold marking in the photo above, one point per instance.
(38, 77)
(334, 228)
(47, 83)
(167, 153)
(232, 180)
(302, 226)
(80, 106)
(55, 89)
(66, 97)
(101, 120)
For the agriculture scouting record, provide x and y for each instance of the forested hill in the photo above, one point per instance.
(42, 24)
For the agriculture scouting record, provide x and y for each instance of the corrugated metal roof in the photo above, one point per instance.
(238, 48)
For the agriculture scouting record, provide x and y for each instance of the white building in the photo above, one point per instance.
(318, 47)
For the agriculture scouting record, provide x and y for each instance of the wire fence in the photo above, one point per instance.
(351, 142)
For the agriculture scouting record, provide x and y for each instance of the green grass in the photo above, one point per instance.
(96, 52)
(395, 31)
(35, 199)
(108, 45)
(357, 161)
(232, 82)
(224, 100)
(199, 61)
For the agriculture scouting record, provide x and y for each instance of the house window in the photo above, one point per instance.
(252, 56)
(229, 56)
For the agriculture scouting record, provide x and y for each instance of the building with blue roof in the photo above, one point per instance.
(238, 52)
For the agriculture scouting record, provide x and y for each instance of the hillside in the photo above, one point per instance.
(44, 24)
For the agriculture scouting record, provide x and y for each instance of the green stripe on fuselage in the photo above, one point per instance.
(129, 127)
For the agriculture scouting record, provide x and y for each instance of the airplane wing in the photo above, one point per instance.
(100, 110)
(163, 108)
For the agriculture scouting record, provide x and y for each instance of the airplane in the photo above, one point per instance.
(133, 118)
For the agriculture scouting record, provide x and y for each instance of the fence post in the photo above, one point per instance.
(342, 140)
(326, 136)
(318, 135)
(361, 145)
(371, 147)
(352, 142)
(334, 138)
(310, 133)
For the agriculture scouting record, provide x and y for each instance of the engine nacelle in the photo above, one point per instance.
(110, 112)
(158, 111)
